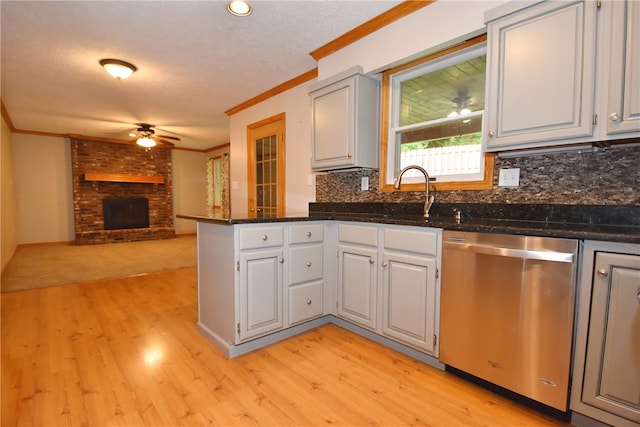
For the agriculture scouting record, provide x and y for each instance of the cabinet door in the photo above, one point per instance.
(612, 369)
(624, 84)
(541, 75)
(409, 300)
(357, 278)
(332, 124)
(260, 292)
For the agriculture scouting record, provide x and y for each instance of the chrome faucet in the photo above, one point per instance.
(429, 201)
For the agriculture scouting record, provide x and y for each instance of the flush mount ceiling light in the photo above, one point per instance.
(117, 68)
(239, 8)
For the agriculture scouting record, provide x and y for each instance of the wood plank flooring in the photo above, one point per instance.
(126, 352)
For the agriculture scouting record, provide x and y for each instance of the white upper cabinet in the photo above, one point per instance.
(345, 123)
(540, 75)
(623, 17)
(561, 72)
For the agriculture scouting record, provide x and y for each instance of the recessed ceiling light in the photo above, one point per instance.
(239, 8)
(117, 68)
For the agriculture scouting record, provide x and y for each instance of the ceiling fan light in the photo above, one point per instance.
(146, 142)
(117, 68)
(239, 8)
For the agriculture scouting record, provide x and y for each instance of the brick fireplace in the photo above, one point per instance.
(107, 170)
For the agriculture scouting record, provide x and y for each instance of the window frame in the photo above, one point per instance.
(386, 109)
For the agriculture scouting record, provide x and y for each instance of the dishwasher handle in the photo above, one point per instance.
(511, 252)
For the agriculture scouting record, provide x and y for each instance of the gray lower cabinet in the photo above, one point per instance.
(606, 383)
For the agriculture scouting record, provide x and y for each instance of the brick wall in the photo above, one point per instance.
(113, 158)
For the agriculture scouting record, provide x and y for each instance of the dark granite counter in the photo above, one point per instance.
(588, 222)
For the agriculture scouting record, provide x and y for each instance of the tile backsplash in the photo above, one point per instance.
(610, 177)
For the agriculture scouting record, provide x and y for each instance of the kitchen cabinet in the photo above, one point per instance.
(398, 297)
(260, 266)
(358, 274)
(623, 21)
(258, 283)
(540, 74)
(561, 73)
(306, 266)
(409, 292)
(606, 383)
(344, 122)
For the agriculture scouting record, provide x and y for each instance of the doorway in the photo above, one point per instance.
(266, 167)
(218, 205)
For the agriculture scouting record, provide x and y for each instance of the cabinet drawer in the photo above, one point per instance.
(306, 233)
(305, 263)
(305, 301)
(411, 240)
(359, 234)
(263, 237)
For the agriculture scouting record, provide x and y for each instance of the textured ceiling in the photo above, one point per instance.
(194, 61)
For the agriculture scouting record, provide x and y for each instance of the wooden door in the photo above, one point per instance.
(266, 167)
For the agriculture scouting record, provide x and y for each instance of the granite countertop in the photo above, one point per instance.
(588, 222)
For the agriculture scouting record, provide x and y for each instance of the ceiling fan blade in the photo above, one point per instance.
(175, 138)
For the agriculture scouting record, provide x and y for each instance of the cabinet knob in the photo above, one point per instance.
(638, 296)
(308, 302)
(371, 261)
(308, 234)
(308, 264)
(349, 155)
(281, 260)
(603, 273)
(384, 264)
(492, 133)
(265, 237)
(614, 117)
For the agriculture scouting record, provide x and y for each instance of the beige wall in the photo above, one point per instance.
(295, 104)
(189, 187)
(8, 229)
(44, 195)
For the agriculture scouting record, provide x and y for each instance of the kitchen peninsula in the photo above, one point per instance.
(372, 268)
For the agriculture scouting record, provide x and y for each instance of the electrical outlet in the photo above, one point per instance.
(364, 183)
(509, 177)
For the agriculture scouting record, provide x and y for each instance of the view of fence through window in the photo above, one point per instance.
(440, 161)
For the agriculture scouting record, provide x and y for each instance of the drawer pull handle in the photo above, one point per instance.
(265, 237)
(308, 264)
(308, 234)
(308, 302)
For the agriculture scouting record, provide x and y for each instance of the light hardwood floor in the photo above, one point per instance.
(126, 352)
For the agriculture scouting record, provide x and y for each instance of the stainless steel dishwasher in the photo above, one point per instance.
(507, 309)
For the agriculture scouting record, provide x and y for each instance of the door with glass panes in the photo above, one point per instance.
(265, 167)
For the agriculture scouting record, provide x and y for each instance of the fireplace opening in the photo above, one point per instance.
(123, 213)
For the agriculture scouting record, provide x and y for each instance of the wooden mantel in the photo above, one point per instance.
(124, 177)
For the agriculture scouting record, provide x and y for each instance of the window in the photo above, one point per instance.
(434, 109)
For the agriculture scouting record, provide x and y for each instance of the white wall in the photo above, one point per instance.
(189, 170)
(44, 192)
(8, 229)
(295, 104)
(438, 25)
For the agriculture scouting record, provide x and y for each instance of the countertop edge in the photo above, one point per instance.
(532, 228)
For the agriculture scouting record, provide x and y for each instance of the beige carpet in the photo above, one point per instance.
(40, 266)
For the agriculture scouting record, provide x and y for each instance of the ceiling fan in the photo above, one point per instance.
(147, 137)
